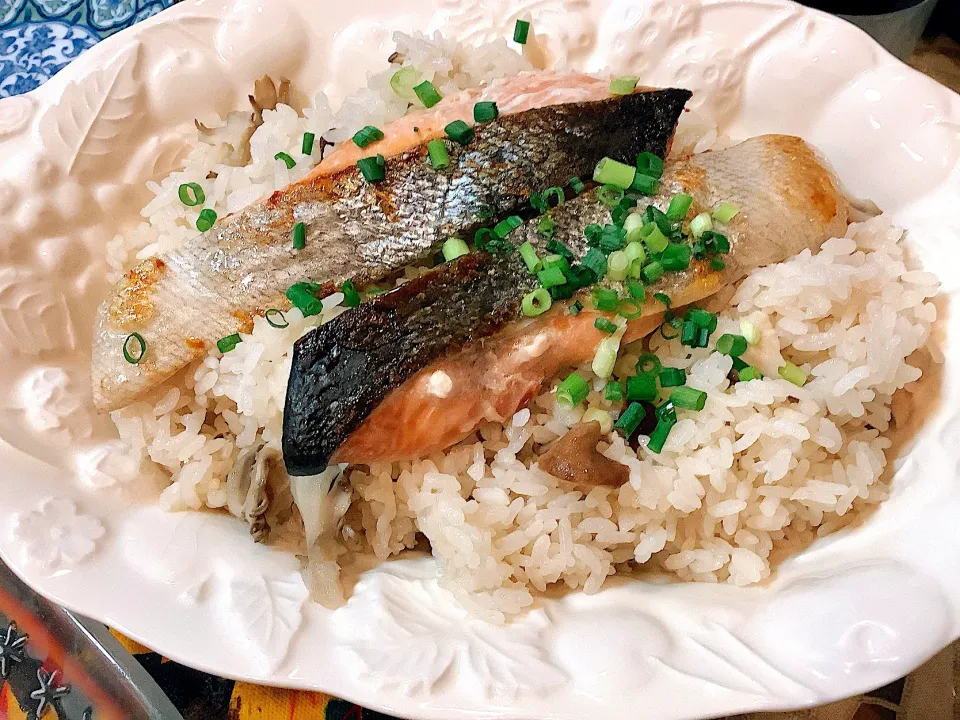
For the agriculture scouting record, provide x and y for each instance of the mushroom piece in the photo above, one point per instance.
(247, 487)
(575, 457)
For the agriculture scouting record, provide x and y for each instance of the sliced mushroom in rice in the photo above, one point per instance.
(248, 491)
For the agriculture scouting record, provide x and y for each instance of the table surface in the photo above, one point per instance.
(37, 41)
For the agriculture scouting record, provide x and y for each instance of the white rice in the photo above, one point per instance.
(766, 466)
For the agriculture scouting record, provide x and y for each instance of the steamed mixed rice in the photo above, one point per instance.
(766, 466)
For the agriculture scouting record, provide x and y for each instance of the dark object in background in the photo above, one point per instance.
(945, 20)
(895, 24)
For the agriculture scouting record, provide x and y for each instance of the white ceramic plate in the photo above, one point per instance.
(851, 613)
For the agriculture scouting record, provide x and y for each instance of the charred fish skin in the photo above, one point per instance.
(210, 287)
(795, 207)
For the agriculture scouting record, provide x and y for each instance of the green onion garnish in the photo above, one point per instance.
(596, 261)
(663, 298)
(676, 258)
(437, 151)
(703, 336)
(520, 32)
(658, 437)
(507, 226)
(750, 373)
(306, 147)
(529, 255)
(575, 308)
(228, 343)
(724, 212)
(688, 398)
(485, 111)
(206, 220)
(675, 324)
(287, 160)
(611, 238)
(302, 296)
(546, 226)
(573, 390)
(373, 169)
(617, 266)
(652, 272)
(792, 374)
(575, 184)
(551, 277)
(611, 172)
(139, 349)
(673, 377)
(562, 292)
(553, 192)
(299, 236)
(556, 247)
(367, 136)
(273, 313)
(733, 345)
(650, 165)
(403, 80)
(538, 203)
(717, 263)
(604, 299)
(679, 207)
(636, 290)
(191, 194)
(459, 132)
(630, 308)
(605, 326)
(700, 224)
(644, 184)
(648, 364)
(536, 303)
(613, 391)
(630, 420)
(750, 331)
(453, 248)
(428, 94)
(702, 318)
(642, 387)
(351, 298)
(623, 85)
(557, 261)
(739, 364)
(689, 334)
(653, 238)
(610, 195)
(635, 251)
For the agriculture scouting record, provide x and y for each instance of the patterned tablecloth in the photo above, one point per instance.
(41, 675)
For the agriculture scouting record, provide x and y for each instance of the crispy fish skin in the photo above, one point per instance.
(789, 202)
(183, 301)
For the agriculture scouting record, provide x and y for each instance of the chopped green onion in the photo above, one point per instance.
(553, 192)
(287, 160)
(637, 290)
(672, 377)
(792, 374)
(630, 420)
(437, 151)
(611, 238)
(575, 308)
(529, 255)
(617, 266)
(679, 207)
(596, 261)
(536, 303)
(689, 334)
(576, 184)
(645, 184)
(272, 313)
(663, 298)
(459, 132)
(507, 226)
(700, 224)
(658, 437)
(654, 238)
(557, 261)
(642, 387)
(610, 195)
(306, 147)
(520, 32)
(630, 308)
(484, 212)
(676, 258)
(606, 355)
(650, 165)
(593, 233)
(373, 169)
(703, 336)
(750, 373)
(604, 300)
(724, 212)
(605, 326)
(302, 296)
(716, 242)
(546, 226)
(733, 345)
(228, 343)
(739, 364)
(191, 194)
(485, 111)
(299, 236)
(702, 318)
(581, 276)
(613, 392)
(367, 136)
(652, 272)
(666, 412)
(623, 85)
(599, 416)
(674, 324)
(206, 220)
(403, 80)
(688, 398)
(573, 390)
(558, 248)
(136, 356)
(648, 364)
(562, 292)
(428, 94)
(351, 298)
(635, 251)
(453, 248)
(751, 331)
(551, 278)
(717, 263)
(611, 172)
